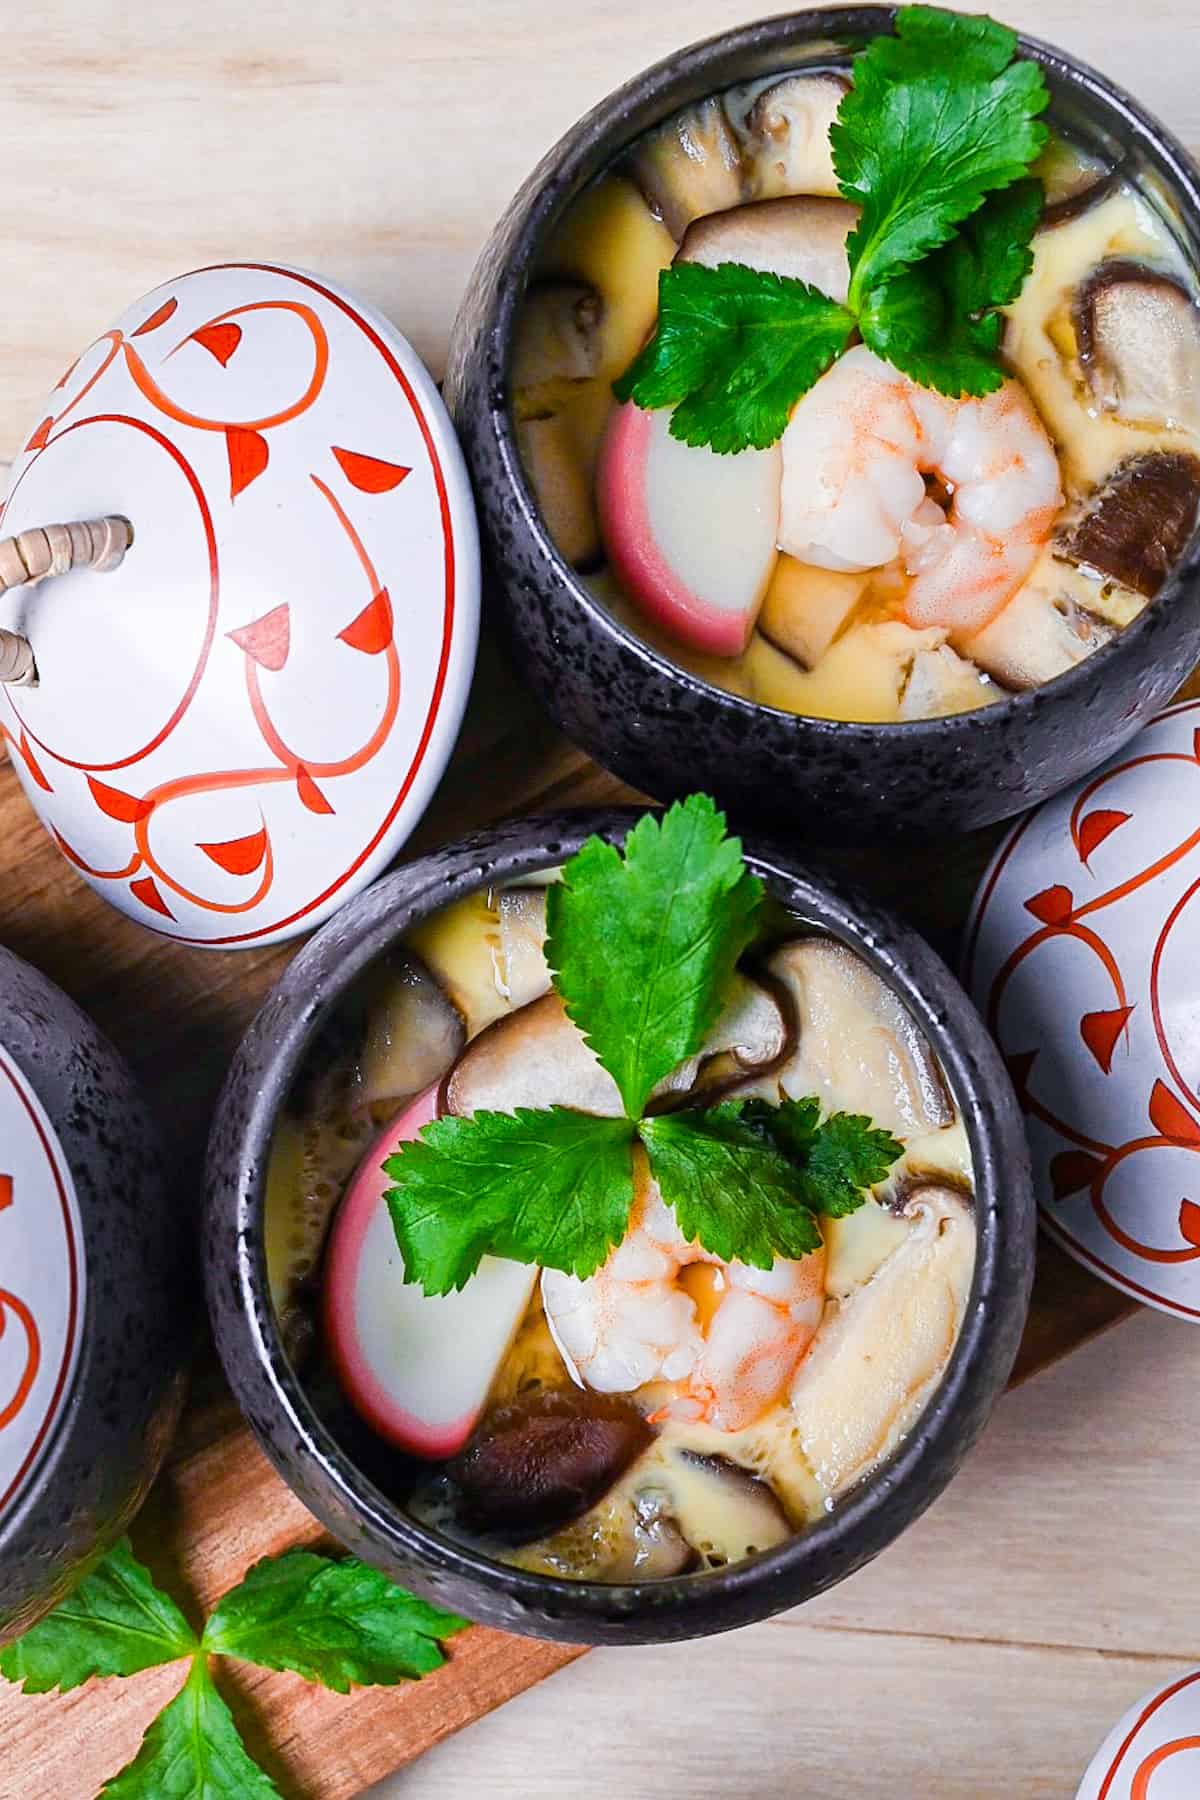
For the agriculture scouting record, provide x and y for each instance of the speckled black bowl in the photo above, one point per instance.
(668, 732)
(109, 1438)
(312, 1457)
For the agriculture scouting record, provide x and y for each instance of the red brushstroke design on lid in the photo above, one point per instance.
(1073, 1170)
(1053, 906)
(219, 340)
(269, 639)
(310, 794)
(1095, 828)
(157, 318)
(248, 457)
(239, 856)
(1171, 1118)
(128, 808)
(371, 631)
(369, 474)
(147, 892)
(1101, 1031)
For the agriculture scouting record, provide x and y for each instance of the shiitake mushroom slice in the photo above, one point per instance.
(1136, 525)
(557, 346)
(879, 1353)
(857, 1047)
(1044, 630)
(1137, 329)
(545, 1459)
(798, 235)
(532, 1057)
(1073, 183)
(689, 166)
(788, 147)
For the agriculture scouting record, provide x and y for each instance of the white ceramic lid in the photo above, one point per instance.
(1083, 955)
(239, 726)
(1153, 1753)
(42, 1279)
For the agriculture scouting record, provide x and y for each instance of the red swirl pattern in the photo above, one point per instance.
(20, 1312)
(1142, 1774)
(1092, 1161)
(12, 1306)
(148, 869)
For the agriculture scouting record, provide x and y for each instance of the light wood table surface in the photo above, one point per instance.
(983, 1657)
(376, 141)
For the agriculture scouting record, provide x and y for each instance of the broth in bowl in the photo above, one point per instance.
(898, 553)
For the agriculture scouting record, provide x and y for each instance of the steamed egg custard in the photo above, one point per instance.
(674, 1409)
(897, 552)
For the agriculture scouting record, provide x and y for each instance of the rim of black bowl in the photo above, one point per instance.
(871, 1514)
(688, 76)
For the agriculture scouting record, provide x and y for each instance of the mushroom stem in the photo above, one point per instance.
(52, 550)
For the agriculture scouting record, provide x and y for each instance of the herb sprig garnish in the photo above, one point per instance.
(642, 948)
(940, 117)
(335, 1623)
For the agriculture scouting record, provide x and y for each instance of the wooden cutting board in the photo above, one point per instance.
(177, 1014)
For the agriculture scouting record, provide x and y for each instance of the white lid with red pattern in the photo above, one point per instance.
(237, 727)
(1083, 955)
(42, 1282)
(1153, 1753)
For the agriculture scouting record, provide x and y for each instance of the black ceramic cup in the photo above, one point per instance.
(96, 1317)
(314, 1449)
(663, 729)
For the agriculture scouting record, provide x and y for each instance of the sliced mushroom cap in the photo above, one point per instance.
(556, 340)
(789, 150)
(526, 974)
(460, 946)
(311, 1161)
(804, 237)
(880, 1352)
(724, 1511)
(557, 347)
(857, 1048)
(1042, 631)
(751, 1036)
(414, 1033)
(541, 1462)
(1136, 526)
(689, 166)
(857, 1244)
(941, 682)
(1138, 334)
(658, 1548)
(1072, 181)
(532, 1057)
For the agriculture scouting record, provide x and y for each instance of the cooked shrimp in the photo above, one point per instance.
(632, 1323)
(855, 455)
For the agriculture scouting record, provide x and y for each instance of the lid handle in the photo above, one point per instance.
(51, 550)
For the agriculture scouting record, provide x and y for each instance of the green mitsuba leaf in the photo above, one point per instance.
(730, 1189)
(192, 1751)
(643, 946)
(835, 1160)
(938, 321)
(115, 1623)
(552, 1188)
(333, 1622)
(939, 116)
(733, 350)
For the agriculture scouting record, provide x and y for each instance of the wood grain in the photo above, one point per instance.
(377, 144)
(982, 1657)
